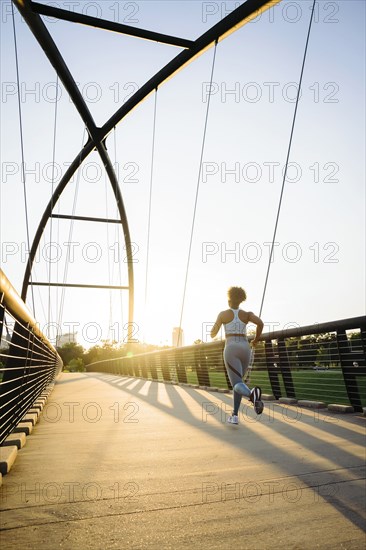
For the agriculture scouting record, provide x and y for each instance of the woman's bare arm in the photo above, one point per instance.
(257, 321)
(215, 329)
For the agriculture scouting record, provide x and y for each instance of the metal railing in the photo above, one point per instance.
(324, 362)
(28, 361)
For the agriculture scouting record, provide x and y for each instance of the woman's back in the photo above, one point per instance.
(235, 321)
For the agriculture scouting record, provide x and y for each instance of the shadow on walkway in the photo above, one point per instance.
(320, 449)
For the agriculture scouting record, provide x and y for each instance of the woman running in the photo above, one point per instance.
(237, 350)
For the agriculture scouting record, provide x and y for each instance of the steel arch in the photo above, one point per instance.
(31, 11)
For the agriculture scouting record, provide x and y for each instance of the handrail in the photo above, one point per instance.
(29, 363)
(284, 371)
(19, 310)
(308, 330)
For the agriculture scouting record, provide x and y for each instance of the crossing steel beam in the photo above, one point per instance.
(74, 17)
(84, 218)
(77, 285)
(231, 23)
(30, 11)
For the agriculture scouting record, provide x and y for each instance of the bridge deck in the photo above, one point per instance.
(125, 463)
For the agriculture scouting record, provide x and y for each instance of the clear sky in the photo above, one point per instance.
(318, 272)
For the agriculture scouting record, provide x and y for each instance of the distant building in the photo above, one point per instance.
(178, 337)
(68, 338)
(6, 338)
(5, 341)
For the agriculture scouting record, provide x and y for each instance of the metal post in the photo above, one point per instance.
(272, 369)
(348, 370)
(180, 365)
(165, 367)
(285, 368)
(2, 314)
(201, 367)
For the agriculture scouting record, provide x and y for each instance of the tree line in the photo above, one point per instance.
(75, 357)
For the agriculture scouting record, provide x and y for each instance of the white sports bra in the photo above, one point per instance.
(236, 326)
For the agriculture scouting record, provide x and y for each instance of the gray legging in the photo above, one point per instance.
(236, 359)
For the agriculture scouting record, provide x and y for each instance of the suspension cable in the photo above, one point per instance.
(52, 191)
(196, 198)
(288, 156)
(150, 200)
(117, 234)
(110, 275)
(67, 260)
(22, 151)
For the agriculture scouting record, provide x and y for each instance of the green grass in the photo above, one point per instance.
(327, 386)
(192, 377)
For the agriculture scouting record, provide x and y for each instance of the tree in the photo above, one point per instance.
(307, 351)
(114, 350)
(108, 350)
(76, 365)
(70, 351)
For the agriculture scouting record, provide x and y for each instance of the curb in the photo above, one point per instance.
(287, 400)
(8, 455)
(311, 404)
(18, 437)
(334, 407)
(268, 397)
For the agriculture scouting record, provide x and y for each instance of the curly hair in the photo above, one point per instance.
(237, 294)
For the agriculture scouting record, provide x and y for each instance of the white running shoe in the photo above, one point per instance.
(233, 419)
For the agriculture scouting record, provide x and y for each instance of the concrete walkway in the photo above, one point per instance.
(121, 463)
